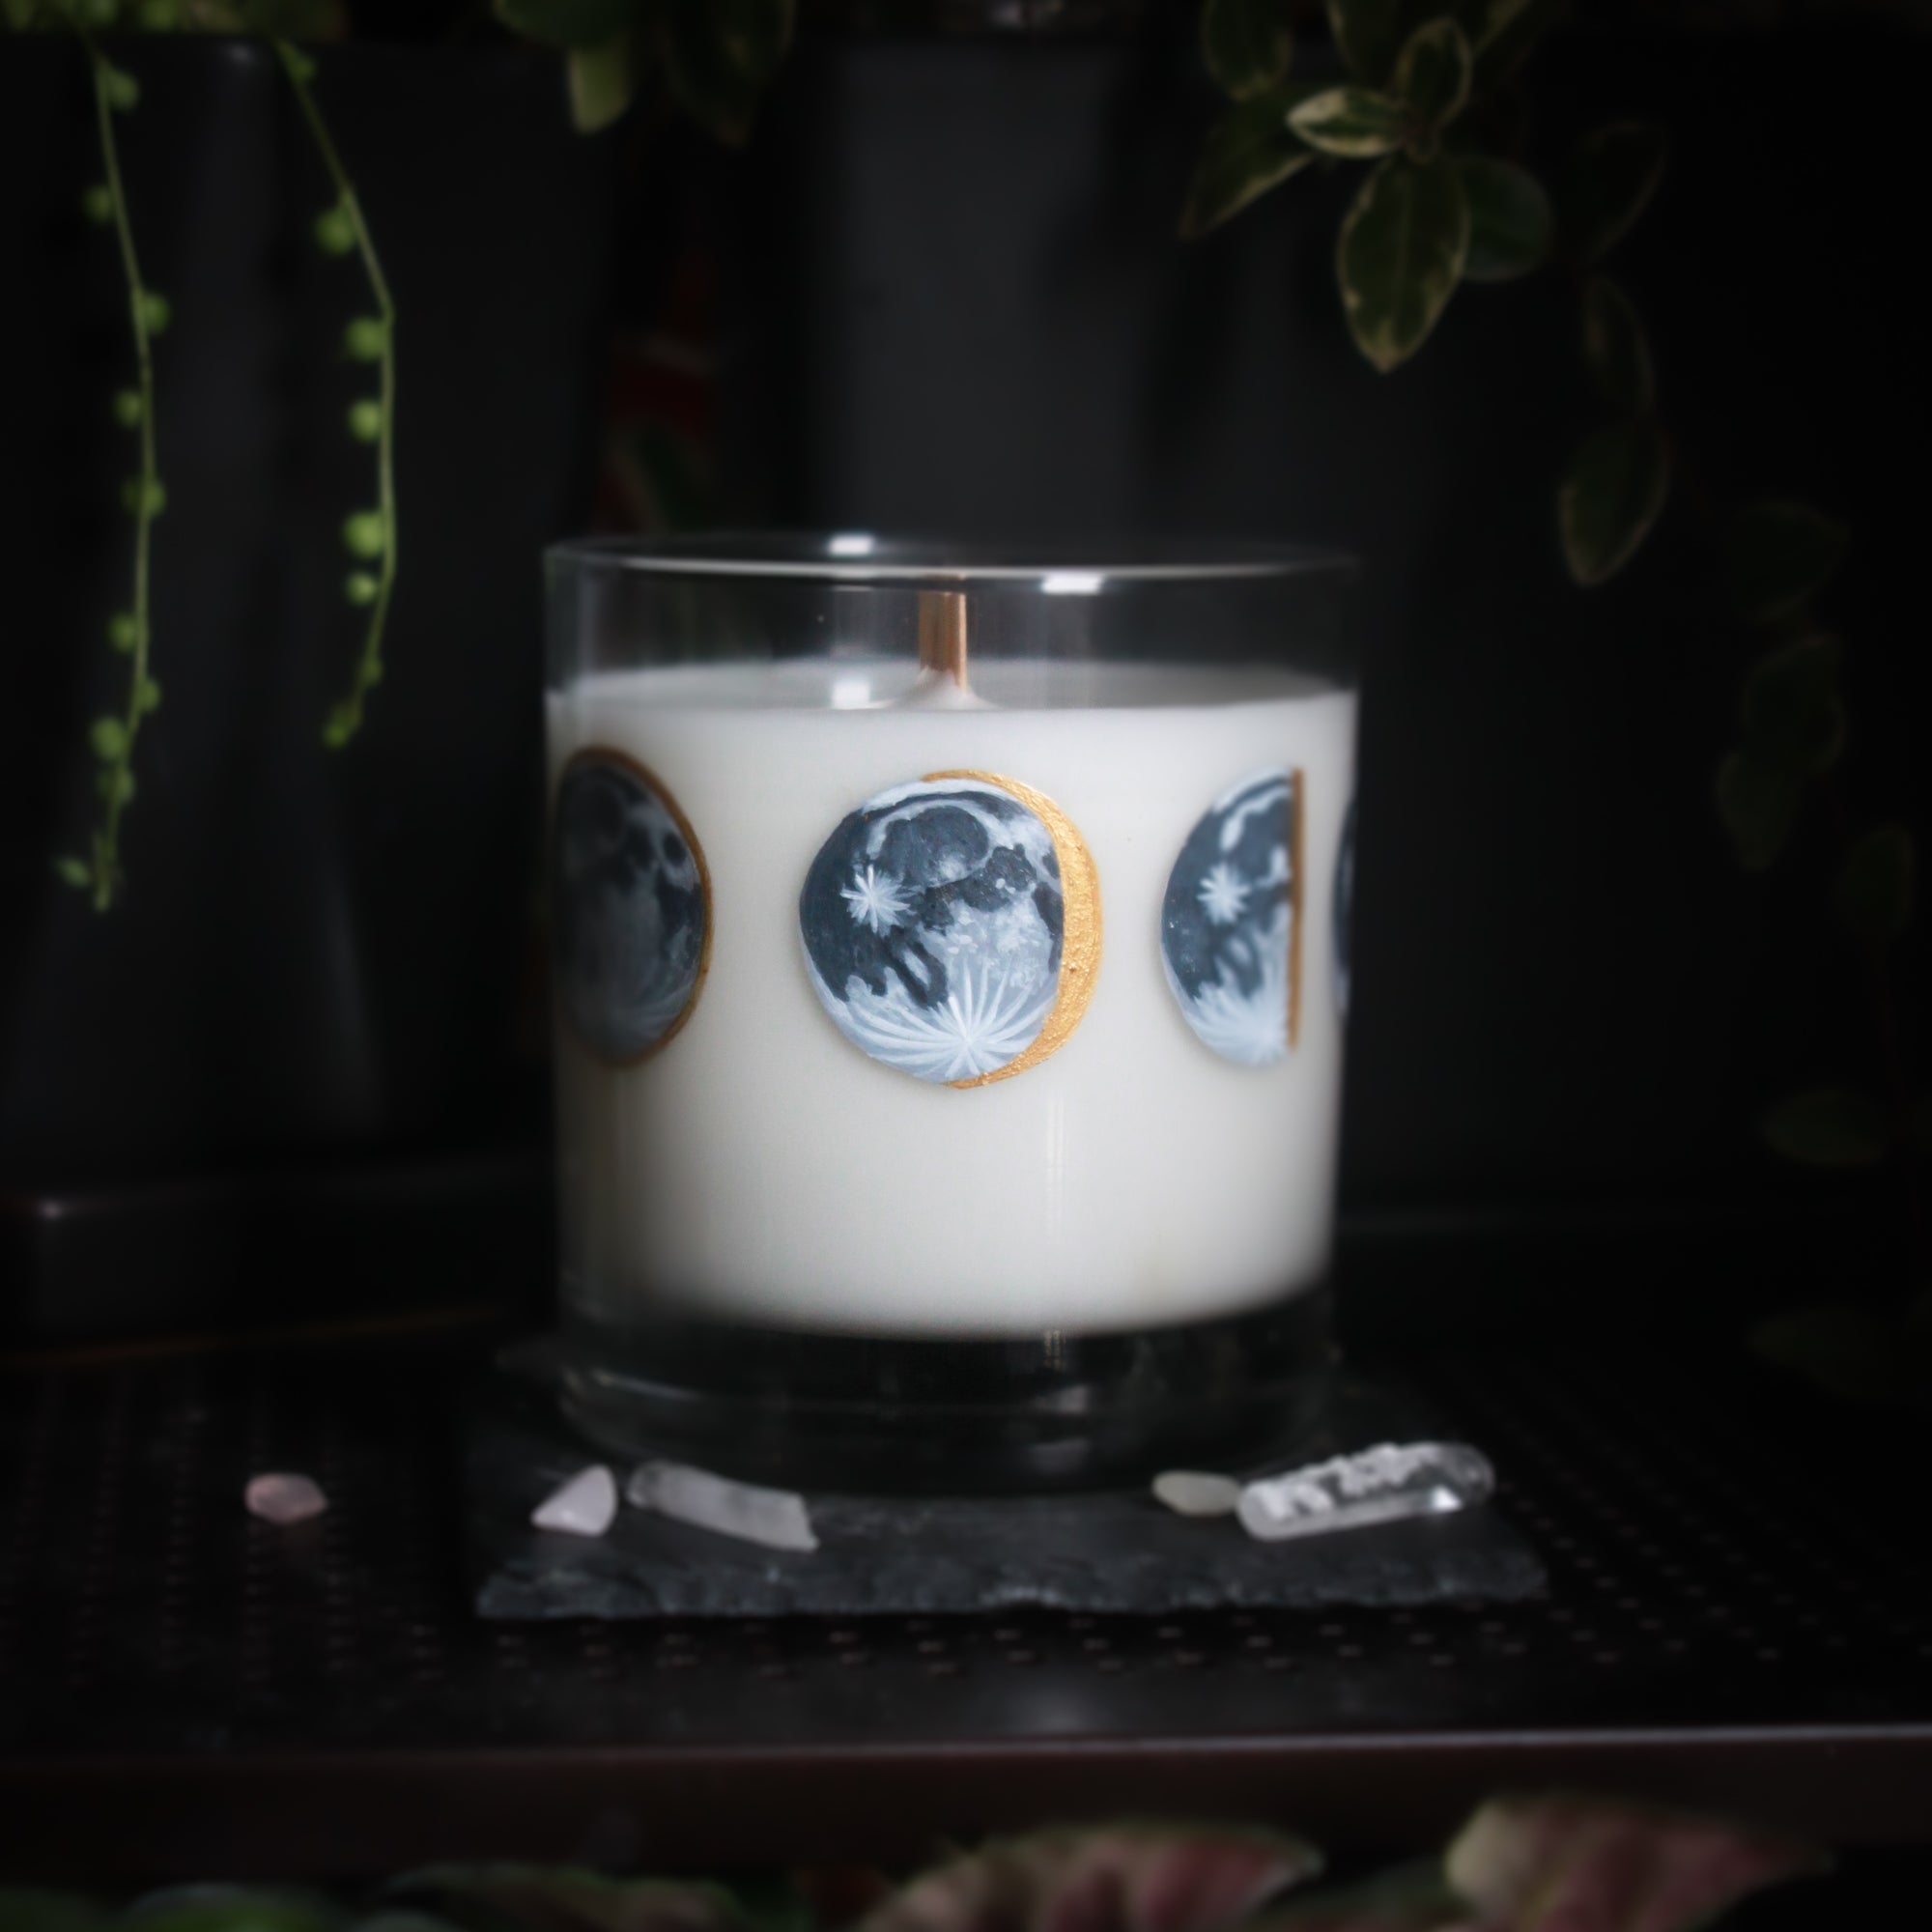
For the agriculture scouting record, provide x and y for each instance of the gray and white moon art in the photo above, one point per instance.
(1227, 934)
(935, 921)
(630, 902)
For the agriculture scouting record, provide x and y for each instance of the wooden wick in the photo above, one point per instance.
(942, 633)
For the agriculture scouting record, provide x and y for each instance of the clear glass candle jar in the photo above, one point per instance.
(950, 969)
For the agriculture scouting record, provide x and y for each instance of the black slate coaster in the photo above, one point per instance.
(1116, 1550)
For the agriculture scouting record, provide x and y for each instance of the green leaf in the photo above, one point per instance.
(20, 17)
(600, 83)
(1758, 804)
(565, 23)
(1369, 34)
(1510, 222)
(719, 55)
(1247, 45)
(14, 1916)
(1608, 184)
(1833, 1127)
(1537, 1864)
(1356, 123)
(1503, 34)
(1612, 491)
(1852, 1352)
(1792, 713)
(109, 738)
(1778, 554)
(1874, 891)
(1401, 255)
(1615, 350)
(147, 695)
(1433, 71)
(1249, 151)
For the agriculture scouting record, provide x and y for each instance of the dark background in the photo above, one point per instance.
(940, 289)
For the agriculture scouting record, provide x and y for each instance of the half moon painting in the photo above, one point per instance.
(630, 907)
(951, 927)
(1229, 922)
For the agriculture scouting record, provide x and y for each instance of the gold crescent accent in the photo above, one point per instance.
(1080, 929)
(594, 754)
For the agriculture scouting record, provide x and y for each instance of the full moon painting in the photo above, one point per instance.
(630, 906)
(935, 921)
(1228, 923)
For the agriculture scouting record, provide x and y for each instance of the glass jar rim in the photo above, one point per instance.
(866, 557)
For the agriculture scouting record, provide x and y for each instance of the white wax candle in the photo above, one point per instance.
(756, 1166)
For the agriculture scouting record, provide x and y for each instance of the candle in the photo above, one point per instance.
(893, 1008)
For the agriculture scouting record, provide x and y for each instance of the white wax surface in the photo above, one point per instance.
(761, 1168)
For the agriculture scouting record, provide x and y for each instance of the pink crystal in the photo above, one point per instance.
(284, 1498)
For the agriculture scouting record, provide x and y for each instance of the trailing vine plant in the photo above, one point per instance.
(113, 736)
(715, 62)
(369, 535)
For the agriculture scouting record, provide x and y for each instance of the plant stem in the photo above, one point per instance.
(117, 774)
(369, 666)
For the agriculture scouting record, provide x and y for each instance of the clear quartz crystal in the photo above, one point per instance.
(1384, 1484)
(776, 1518)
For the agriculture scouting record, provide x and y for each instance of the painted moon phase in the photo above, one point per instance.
(1229, 922)
(1344, 906)
(951, 927)
(630, 906)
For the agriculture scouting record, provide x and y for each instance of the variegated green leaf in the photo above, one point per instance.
(1250, 150)
(1432, 72)
(1874, 890)
(1401, 255)
(1369, 34)
(1247, 45)
(1612, 491)
(1356, 123)
(1606, 185)
(1510, 222)
(1778, 554)
(600, 83)
(1538, 1864)
(1615, 350)
(718, 57)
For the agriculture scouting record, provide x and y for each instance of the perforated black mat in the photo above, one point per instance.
(243, 1698)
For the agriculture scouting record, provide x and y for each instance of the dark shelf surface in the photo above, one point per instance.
(1727, 1624)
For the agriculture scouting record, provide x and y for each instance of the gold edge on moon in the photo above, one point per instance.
(1080, 930)
(605, 754)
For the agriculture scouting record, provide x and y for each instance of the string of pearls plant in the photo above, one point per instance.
(368, 534)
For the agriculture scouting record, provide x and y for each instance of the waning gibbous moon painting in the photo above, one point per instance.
(1229, 929)
(630, 906)
(951, 927)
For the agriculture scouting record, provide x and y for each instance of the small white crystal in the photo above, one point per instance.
(775, 1518)
(1192, 1492)
(284, 1498)
(1381, 1485)
(584, 1506)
